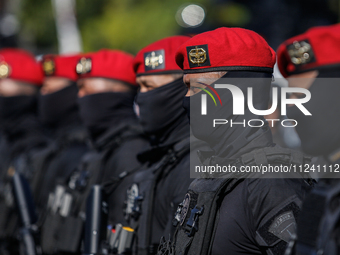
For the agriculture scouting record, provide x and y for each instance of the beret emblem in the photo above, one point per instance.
(154, 60)
(197, 56)
(84, 66)
(49, 66)
(4, 70)
(301, 52)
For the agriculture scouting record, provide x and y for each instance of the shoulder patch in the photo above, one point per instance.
(284, 226)
(281, 226)
(185, 208)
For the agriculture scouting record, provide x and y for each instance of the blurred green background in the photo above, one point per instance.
(132, 24)
(128, 25)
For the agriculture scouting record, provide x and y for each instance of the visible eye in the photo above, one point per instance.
(149, 86)
(144, 87)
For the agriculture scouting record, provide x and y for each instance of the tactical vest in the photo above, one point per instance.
(197, 216)
(140, 197)
(63, 227)
(43, 158)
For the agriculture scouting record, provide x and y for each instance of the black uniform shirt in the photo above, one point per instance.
(254, 203)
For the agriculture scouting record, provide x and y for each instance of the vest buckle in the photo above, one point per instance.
(192, 222)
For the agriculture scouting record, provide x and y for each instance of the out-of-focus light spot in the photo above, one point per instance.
(191, 15)
(9, 25)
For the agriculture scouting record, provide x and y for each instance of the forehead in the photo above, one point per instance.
(11, 87)
(203, 75)
(154, 78)
(55, 78)
(98, 81)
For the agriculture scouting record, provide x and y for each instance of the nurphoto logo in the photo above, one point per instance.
(239, 103)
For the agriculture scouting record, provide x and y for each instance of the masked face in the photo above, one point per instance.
(161, 107)
(103, 110)
(222, 137)
(55, 107)
(16, 106)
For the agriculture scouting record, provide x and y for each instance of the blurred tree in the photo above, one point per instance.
(131, 24)
(38, 25)
(127, 25)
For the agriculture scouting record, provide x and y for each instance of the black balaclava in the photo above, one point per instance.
(19, 123)
(224, 140)
(320, 133)
(59, 109)
(102, 111)
(12, 108)
(161, 112)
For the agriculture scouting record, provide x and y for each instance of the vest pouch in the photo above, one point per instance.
(199, 211)
(70, 234)
(4, 215)
(182, 240)
(49, 233)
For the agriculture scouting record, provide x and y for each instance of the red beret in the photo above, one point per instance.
(20, 65)
(159, 57)
(318, 47)
(226, 49)
(111, 64)
(60, 66)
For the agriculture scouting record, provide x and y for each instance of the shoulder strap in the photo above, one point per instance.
(161, 170)
(111, 185)
(120, 136)
(40, 165)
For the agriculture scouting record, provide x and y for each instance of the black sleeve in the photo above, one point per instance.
(235, 233)
(275, 205)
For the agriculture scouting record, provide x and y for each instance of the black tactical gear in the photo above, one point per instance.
(23, 136)
(240, 214)
(158, 188)
(67, 216)
(237, 213)
(152, 199)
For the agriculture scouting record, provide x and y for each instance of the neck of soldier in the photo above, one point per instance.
(70, 121)
(115, 122)
(176, 131)
(239, 140)
(237, 137)
(24, 132)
